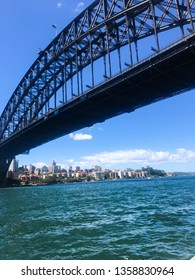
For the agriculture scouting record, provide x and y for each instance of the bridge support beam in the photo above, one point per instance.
(4, 166)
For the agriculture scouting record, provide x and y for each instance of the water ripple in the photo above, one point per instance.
(135, 219)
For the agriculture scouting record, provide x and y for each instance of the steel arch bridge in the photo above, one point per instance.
(100, 66)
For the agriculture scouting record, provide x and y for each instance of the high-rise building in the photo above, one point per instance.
(32, 168)
(58, 168)
(44, 170)
(14, 167)
(97, 168)
(77, 168)
(53, 167)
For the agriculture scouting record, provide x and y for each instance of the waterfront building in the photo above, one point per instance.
(69, 171)
(131, 174)
(77, 174)
(145, 174)
(99, 175)
(113, 175)
(121, 174)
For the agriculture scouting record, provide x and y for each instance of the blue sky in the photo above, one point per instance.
(160, 135)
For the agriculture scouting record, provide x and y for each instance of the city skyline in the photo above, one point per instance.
(159, 135)
(57, 174)
(60, 167)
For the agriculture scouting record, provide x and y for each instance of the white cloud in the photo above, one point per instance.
(70, 160)
(80, 136)
(140, 156)
(79, 7)
(125, 158)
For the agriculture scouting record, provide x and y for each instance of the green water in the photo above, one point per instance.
(134, 219)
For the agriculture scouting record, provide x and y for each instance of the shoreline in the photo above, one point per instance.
(7, 185)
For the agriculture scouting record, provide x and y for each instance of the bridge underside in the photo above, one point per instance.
(164, 75)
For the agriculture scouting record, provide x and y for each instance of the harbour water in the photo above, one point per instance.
(132, 219)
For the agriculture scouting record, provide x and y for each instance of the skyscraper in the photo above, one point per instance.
(14, 167)
(53, 167)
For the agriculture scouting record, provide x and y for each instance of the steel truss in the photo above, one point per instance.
(56, 77)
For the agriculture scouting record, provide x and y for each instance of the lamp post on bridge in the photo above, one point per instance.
(56, 29)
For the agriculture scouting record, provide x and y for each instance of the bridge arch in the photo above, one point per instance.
(104, 28)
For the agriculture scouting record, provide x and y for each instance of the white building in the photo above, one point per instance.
(14, 167)
(99, 175)
(121, 174)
